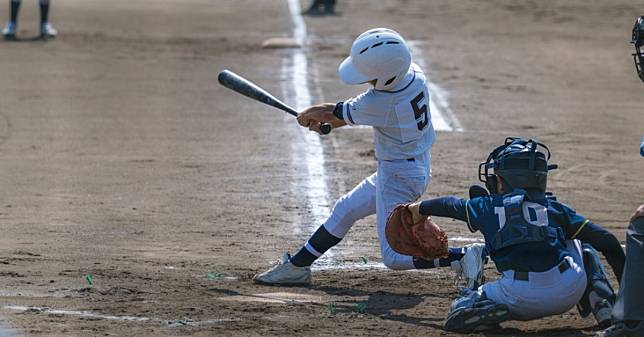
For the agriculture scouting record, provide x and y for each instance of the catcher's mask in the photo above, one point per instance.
(638, 41)
(520, 163)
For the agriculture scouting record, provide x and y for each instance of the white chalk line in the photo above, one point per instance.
(310, 151)
(90, 314)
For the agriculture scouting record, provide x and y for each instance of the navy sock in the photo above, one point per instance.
(44, 11)
(455, 254)
(318, 244)
(15, 6)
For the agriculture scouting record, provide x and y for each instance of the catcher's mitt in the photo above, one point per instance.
(423, 239)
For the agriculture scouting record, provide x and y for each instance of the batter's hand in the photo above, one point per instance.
(312, 117)
(639, 212)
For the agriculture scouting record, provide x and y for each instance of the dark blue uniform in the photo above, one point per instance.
(486, 214)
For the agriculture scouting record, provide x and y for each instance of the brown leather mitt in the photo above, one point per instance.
(423, 239)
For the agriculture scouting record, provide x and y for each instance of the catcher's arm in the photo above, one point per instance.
(450, 207)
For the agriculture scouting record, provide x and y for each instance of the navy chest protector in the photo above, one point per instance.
(518, 230)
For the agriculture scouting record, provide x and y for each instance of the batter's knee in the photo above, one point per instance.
(344, 214)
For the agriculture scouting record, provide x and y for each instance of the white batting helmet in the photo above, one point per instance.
(378, 54)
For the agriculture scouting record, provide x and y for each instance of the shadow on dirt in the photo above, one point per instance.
(382, 303)
(37, 38)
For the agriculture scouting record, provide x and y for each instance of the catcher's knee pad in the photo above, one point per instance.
(599, 296)
(473, 311)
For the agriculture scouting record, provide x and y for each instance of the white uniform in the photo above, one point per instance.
(403, 135)
(532, 299)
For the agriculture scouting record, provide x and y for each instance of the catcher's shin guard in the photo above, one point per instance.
(599, 296)
(473, 311)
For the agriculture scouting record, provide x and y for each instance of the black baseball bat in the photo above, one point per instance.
(247, 88)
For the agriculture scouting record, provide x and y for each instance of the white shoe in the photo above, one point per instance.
(9, 30)
(285, 273)
(47, 30)
(472, 265)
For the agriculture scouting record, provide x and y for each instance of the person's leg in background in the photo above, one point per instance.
(10, 29)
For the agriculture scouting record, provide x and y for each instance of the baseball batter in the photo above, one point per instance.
(397, 107)
(543, 248)
(628, 314)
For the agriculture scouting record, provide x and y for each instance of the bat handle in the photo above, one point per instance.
(325, 128)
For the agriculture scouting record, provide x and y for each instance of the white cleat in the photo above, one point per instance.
(9, 31)
(472, 264)
(47, 30)
(285, 274)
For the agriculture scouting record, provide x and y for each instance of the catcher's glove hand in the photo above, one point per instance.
(422, 239)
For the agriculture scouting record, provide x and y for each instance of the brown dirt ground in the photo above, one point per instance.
(122, 159)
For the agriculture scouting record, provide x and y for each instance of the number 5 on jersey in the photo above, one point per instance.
(420, 112)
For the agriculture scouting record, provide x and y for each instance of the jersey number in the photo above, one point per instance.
(420, 112)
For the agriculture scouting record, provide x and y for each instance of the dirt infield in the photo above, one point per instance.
(138, 197)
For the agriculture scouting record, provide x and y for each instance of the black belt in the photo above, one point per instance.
(408, 159)
(525, 276)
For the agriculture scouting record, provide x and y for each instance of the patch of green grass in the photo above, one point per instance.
(330, 307)
(361, 308)
(214, 275)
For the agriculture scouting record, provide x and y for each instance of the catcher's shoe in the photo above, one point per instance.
(47, 30)
(285, 274)
(472, 265)
(467, 320)
(9, 31)
(603, 313)
(619, 329)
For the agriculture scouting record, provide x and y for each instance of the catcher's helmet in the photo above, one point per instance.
(520, 163)
(638, 41)
(379, 54)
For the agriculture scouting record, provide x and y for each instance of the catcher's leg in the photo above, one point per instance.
(599, 296)
(473, 311)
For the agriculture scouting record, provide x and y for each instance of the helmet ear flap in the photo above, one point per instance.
(491, 183)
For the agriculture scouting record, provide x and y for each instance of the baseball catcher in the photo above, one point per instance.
(544, 250)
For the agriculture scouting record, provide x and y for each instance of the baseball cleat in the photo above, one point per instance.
(472, 265)
(603, 313)
(47, 30)
(466, 320)
(285, 274)
(9, 31)
(619, 329)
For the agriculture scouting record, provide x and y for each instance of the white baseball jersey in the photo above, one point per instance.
(400, 117)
